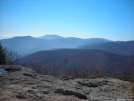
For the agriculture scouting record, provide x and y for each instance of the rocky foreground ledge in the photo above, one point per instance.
(22, 84)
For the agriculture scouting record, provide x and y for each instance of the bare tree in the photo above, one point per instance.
(12, 57)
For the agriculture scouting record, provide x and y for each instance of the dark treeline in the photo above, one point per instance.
(81, 72)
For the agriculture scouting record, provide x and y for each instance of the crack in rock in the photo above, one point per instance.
(69, 92)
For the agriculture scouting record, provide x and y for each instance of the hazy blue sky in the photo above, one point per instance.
(111, 19)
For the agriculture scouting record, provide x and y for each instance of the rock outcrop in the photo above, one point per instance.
(22, 84)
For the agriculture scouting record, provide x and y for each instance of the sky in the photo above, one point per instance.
(110, 19)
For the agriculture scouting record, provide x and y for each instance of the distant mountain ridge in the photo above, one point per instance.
(24, 45)
(118, 47)
(27, 44)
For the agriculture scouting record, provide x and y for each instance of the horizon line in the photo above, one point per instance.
(60, 36)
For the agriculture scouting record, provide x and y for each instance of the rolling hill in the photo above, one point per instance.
(71, 58)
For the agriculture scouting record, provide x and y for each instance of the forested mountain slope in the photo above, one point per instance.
(72, 58)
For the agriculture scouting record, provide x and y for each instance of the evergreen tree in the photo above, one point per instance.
(3, 59)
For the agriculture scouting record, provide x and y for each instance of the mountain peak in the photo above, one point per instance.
(50, 37)
(23, 37)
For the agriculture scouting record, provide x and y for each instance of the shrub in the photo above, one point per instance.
(133, 88)
(91, 77)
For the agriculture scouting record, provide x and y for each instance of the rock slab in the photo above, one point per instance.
(22, 84)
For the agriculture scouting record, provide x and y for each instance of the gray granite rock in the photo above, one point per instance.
(22, 84)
